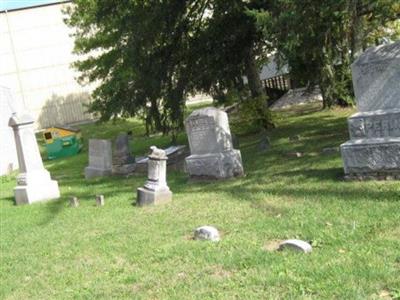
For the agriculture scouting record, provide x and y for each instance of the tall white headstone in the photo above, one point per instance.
(33, 182)
(374, 146)
(210, 141)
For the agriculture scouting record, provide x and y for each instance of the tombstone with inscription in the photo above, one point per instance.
(374, 146)
(155, 190)
(123, 161)
(100, 159)
(212, 154)
(33, 182)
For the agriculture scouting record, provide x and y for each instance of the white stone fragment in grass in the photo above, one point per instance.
(100, 200)
(298, 245)
(208, 233)
(74, 202)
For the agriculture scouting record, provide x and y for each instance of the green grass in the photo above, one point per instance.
(52, 251)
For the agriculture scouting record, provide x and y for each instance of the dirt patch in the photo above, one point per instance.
(271, 245)
(219, 272)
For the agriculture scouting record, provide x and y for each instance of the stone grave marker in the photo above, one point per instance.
(374, 146)
(212, 153)
(295, 244)
(33, 182)
(100, 159)
(74, 202)
(207, 233)
(155, 190)
(123, 161)
(100, 200)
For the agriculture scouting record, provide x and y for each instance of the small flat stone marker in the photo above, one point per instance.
(298, 245)
(295, 154)
(74, 202)
(100, 200)
(264, 142)
(294, 138)
(330, 150)
(207, 233)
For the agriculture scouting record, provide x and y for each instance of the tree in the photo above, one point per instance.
(147, 56)
(320, 39)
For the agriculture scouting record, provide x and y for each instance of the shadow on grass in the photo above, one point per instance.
(331, 174)
(336, 189)
(54, 207)
(9, 199)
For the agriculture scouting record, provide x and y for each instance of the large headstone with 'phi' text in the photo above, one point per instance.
(100, 159)
(374, 146)
(34, 183)
(210, 141)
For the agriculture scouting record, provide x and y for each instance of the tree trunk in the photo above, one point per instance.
(253, 75)
(155, 115)
(356, 34)
(256, 90)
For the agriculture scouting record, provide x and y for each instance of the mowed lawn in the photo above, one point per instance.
(53, 251)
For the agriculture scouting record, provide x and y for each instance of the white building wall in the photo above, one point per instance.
(8, 152)
(35, 58)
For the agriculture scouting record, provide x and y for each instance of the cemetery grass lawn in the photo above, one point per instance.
(52, 251)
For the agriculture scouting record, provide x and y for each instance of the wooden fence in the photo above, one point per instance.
(276, 87)
(63, 110)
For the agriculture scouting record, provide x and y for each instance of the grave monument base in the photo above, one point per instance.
(149, 197)
(91, 172)
(375, 124)
(40, 191)
(220, 165)
(123, 170)
(376, 157)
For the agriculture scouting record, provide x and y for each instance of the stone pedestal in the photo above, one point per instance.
(100, 159)
(33, 183)
(212, 154)
(155, 190)
(374, 147)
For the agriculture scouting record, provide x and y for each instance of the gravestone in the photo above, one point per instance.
(374, 146)
(155, 190)
(295, 244)
(33, 182)
(210, 141)
(207, 233)
(123, 161)
(74, 202)
(100, 200)
(100, 159)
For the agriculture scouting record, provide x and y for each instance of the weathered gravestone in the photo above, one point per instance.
(374, 146)
(100, 159)
(33, 182)
(155, 190)
(123, 161)
(212, 153)
(207, 233)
